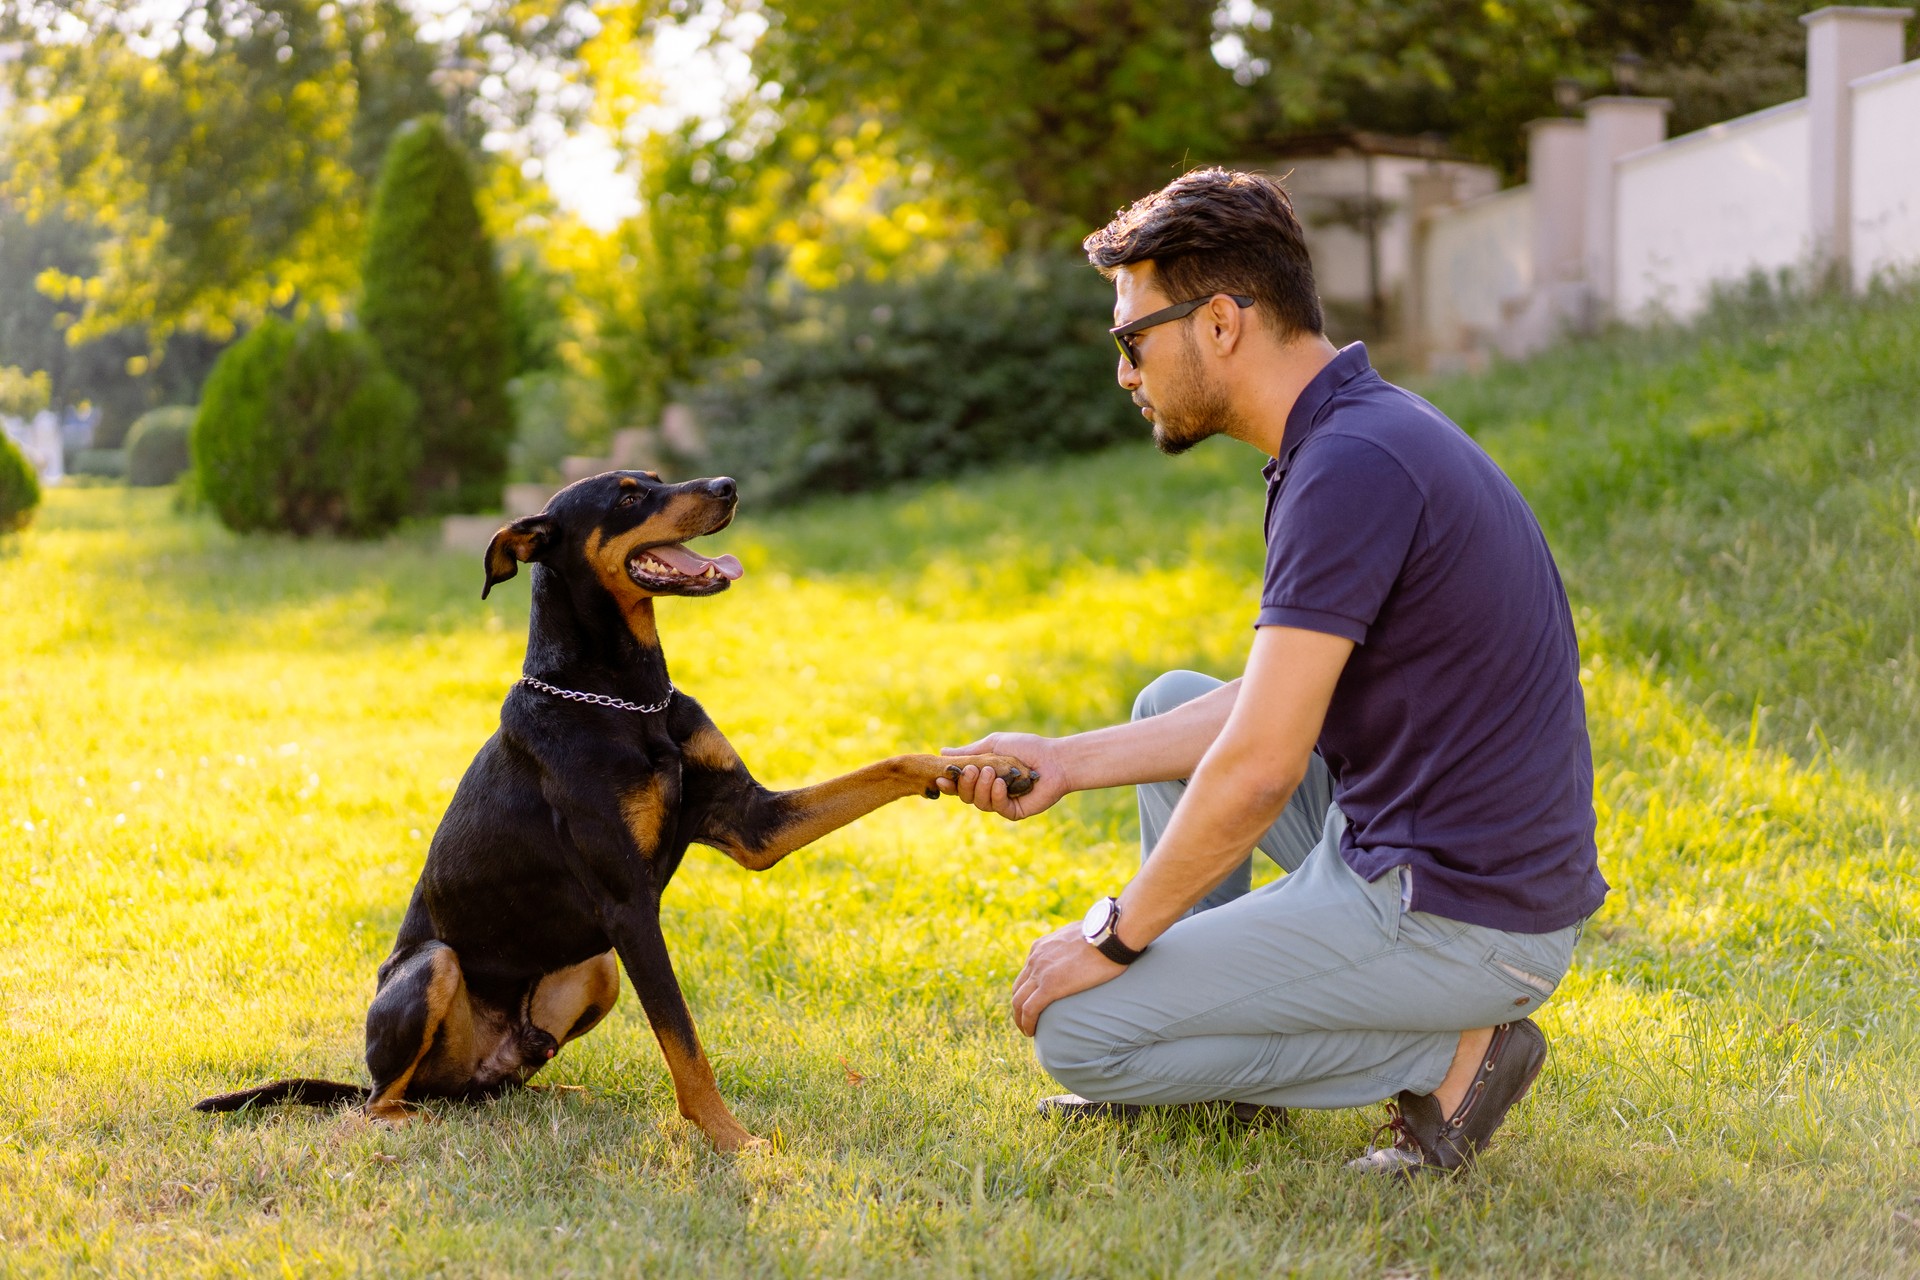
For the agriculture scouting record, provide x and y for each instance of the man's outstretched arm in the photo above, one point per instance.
(1159, 748)
(1237, 791)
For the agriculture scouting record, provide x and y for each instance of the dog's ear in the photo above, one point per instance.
(524, 539)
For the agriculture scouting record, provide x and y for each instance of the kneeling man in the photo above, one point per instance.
(1408, 740)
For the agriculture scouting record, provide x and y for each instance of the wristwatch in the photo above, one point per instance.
(1098, 928)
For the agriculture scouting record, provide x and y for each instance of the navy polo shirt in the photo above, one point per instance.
(1457, 735)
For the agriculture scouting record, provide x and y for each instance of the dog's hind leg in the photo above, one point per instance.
(570, 1002)
(420, 1034)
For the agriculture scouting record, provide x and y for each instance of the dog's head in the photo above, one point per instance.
(627, 530)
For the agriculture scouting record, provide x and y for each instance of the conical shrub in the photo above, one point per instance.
(433, 306)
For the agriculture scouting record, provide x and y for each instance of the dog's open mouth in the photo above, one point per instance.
(670, 566)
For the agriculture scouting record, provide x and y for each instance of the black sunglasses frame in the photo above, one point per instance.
(1122, 333)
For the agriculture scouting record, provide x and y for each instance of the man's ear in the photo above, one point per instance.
(524, 539)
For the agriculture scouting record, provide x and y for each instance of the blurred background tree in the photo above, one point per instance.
(432, 305)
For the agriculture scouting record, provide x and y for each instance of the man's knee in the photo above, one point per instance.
(1071, 1051)
(1170, 690)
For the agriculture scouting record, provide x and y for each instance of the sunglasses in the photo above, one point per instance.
(1123, 334)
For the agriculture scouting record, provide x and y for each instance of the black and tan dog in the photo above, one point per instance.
(552, 857)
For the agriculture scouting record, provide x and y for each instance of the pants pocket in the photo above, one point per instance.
(1523, 976)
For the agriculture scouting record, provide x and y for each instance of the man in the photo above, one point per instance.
(1408, 740)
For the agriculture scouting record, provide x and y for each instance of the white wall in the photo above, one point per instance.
(1711, 207)
(1886, 173)
(1319, 184)
(1479, 269)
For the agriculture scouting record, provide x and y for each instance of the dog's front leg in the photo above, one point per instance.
(635, 928)
(757, 827)
(613, 861)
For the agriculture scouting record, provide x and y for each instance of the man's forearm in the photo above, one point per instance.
(1231, 802)
(1243, 781)
(1162, 748)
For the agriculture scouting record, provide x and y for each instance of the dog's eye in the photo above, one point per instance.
(628, 499)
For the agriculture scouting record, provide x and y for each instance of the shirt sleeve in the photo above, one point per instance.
(1338, 538)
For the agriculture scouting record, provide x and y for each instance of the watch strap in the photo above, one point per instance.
(1117, 951)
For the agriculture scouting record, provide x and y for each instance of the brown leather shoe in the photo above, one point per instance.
(1424, 1141)
(1071, 1105)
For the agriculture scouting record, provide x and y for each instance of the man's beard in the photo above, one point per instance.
(1195, 410)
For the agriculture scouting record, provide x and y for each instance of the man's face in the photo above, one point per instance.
(1173, 387)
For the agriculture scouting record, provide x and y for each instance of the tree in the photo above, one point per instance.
(1054, 112)
(433, 305)
(225, 148)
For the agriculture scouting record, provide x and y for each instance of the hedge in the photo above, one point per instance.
(878, 382)
(19, 487)
(302, 429)
(157, 447)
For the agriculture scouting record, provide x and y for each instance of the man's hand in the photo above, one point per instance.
(979, 787)
(1061, 964)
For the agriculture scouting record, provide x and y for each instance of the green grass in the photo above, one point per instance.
(220, 760)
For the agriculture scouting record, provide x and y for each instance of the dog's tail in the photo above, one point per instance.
(305, 1093)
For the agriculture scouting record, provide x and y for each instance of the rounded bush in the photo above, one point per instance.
(19, 487)
(878, 382)
(434, 305)
(302, 429)
(157, 450)
(98, 464)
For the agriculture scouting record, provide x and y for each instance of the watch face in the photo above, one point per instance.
(1099, 920)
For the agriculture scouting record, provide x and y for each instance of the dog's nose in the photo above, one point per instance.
(722, 487)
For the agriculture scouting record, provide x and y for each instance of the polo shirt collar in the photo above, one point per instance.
(1347, 364)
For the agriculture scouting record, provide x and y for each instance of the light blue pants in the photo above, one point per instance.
(1320, 990)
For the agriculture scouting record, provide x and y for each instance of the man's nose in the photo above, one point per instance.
(1127, 376)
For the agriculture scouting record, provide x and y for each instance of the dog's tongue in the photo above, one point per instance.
(687, 562)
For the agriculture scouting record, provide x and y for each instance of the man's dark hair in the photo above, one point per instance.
(1218, 231)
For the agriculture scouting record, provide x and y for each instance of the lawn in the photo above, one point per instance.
(221, 760)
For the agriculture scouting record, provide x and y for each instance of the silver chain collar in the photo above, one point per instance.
(597, 699)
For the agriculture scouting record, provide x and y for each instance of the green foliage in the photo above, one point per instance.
(19, 487)
(157, 448)
(1061, 109)
(22, 395)
(883, 381)
(227, 168)
(216, 166)
(119, 374)
(433, 305)
(303, 430)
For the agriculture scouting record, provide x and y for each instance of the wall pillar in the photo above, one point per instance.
(1557, 174)
(1844, 42)
(1428, 193)
(1616, 126)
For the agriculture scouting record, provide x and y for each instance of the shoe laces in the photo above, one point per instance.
(1396, 1126)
